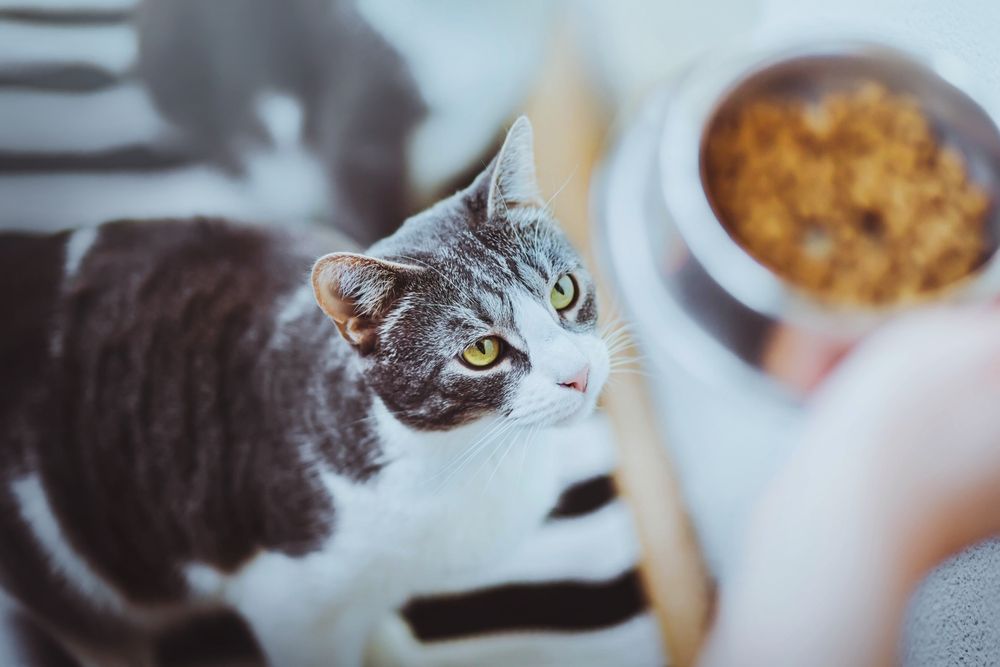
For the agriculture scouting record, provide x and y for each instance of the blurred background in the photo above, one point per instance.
(353, 115)
(348, 113)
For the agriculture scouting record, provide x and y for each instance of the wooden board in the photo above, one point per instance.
(570, 128)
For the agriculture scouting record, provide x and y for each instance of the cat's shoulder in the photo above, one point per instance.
(132, 244)
(197, 239)
(190, 247)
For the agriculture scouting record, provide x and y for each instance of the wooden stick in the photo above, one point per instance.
(673, 569)
(570, 129)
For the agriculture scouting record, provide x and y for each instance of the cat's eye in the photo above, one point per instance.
(563, 293)
(483, 353)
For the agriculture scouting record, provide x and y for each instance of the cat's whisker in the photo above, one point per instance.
(619, 324)
(618, 340)
(501, 446)
(471, 450)
(530, 418)
(496, 468)
(611, 311)
(548, 202)
(470, 454)
(488, 436)
(623, 356)
(630, 363)
(525, 444)
(367, 418)
(520, 468)
(629, 371)
(619, 346)
(506, 211)
(627, 365)
(616, 330)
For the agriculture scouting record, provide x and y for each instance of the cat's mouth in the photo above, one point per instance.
(564, 412)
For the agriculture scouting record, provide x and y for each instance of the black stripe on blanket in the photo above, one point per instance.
(556, 606)
(68, 78)
(584, 497)
(68, 17)
(129, 157)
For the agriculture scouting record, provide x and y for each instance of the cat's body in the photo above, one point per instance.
(183, 429)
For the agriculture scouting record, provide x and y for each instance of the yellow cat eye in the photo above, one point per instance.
(483, 352)
(563, 293)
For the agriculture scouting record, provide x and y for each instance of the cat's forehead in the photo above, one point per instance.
(489, 267)
(501, 252)
(471, 283)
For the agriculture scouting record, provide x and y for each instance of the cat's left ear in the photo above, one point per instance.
(513, 183)
(356, 291)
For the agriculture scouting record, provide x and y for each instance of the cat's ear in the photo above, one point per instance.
(513, 183)
(355, 291)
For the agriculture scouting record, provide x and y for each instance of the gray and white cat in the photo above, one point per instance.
(183, 429)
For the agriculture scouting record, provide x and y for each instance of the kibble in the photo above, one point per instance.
(850, 197)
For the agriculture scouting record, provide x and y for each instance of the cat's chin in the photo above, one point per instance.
(577, 415)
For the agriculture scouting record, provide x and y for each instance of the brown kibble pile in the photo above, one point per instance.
(851, 198)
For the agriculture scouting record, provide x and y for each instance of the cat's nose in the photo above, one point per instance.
(578, 381)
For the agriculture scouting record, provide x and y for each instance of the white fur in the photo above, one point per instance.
(563, 550)
(412, 526)
(36, 511)
(34, 508)
(294, 307)
(77, 247)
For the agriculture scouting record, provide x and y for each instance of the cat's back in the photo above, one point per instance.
(128, 402)
(30, 277)
(71, 293)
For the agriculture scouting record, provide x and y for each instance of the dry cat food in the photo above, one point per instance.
(850, 197)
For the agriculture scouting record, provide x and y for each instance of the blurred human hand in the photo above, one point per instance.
(899, 468)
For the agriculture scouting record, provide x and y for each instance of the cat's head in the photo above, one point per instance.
(478, 306)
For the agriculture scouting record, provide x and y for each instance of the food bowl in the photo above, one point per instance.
(736, 317)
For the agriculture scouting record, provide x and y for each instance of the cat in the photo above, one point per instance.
(192, 420)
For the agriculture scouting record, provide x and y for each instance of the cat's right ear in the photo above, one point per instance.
(356, 291)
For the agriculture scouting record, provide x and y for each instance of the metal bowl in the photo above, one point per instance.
(698, 295)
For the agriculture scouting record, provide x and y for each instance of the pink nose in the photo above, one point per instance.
(578, 381)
